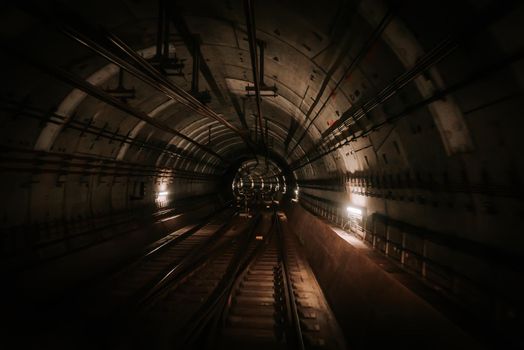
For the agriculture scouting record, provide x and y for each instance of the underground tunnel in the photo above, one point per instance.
(242, 174)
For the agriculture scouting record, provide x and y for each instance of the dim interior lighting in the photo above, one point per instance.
(354, 211)
(161, 197)
(259, 238)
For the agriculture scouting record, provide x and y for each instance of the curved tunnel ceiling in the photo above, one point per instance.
(406, 112)
(348, 87)
(325, 61)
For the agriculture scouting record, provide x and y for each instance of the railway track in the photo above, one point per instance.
(233, 282)
(259, 312)
(266, 299)
(165, 260)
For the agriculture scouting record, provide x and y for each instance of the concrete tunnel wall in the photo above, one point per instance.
(448, 172)
(373, 308)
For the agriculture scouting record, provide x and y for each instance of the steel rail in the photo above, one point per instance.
(148, 293)
(213, 307)
(294, 318)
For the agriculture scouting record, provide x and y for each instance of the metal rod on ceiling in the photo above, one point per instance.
(434, 56)
(166, 38)
(70, 161)
(267, 143)
(195, 104)
(140, 68)
(252, 39)
(262, 46)
(196, 67)
(101, 50)
(358, 111)
(82, 127)
(98, 93)
(445, 47)
(126, 58)
(375, 35)
(175, 15)
(256, 131)
(160, 28)
(148, 75)
(164, 82)
(472, 78)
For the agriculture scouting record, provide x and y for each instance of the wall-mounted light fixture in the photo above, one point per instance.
(354, 211)
(295, 198)
(161, 196)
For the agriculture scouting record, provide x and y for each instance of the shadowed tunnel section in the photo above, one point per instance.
(389, 132)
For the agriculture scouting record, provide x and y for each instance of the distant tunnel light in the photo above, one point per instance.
(162, 196)
(295, 197)
(354, 211)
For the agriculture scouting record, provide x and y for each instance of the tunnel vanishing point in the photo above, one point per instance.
(243, 174)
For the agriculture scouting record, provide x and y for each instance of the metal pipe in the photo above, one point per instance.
(11, 158)
(375, 35)
(142, 70)
(160, 29)
(34, 113)
(175, 14)
(434, 56)
(251, 33)
(266, 137)
(489, 15)
(139, 67)
(256, 131)
(195, 104)
(472, 78)
(262, 45)
(165, 53)
(358, 111)
(103, 96)
(196, 67)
